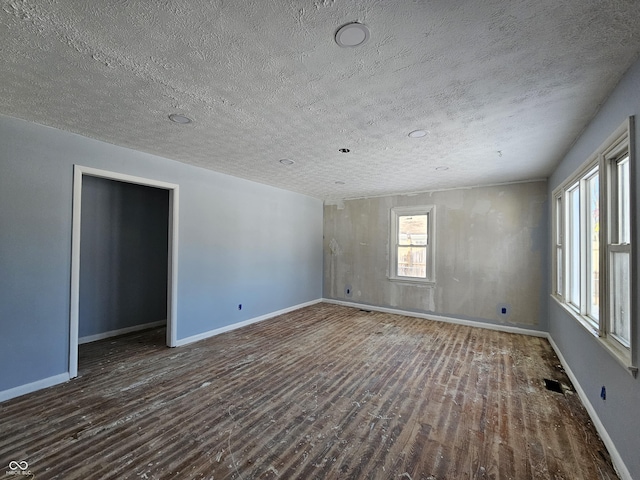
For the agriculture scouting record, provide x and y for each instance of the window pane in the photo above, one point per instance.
(621, 305)
(593, 245)
(559, 271)
(412, 229)
(559, 233)
(412, 262)
(559, 221)
(411, 254)
(624, 217)
(573, 253)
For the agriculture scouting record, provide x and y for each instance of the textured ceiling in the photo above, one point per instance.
(264, 80)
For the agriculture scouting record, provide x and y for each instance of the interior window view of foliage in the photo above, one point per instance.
(412, 244)
(413, 232)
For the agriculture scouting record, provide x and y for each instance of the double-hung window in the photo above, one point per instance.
(578, 221)
(412, 243)
(592, 245)
(619, 248)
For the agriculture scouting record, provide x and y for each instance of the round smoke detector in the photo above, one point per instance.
(352, 35)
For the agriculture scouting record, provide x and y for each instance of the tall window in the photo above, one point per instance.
(582, 229)
(573, 248)
(592, 237)
(619, 246)
(559, 239)
(592, 245)
(412, 243)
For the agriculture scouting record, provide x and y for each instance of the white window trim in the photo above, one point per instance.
(397, 212)
(558, 246)
(602, 157)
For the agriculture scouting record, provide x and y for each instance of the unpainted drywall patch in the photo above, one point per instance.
(488, 266)
(481, 207)
(334, 247)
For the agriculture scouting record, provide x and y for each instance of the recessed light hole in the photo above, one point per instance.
(418, 134)
(179, 118)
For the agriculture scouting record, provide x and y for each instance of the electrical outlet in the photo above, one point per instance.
(240, 306)
(503, 310)
(603, 393)
(348, 291)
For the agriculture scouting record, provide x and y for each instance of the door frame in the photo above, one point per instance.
(172, 261)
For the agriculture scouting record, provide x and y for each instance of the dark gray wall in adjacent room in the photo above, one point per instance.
(123, 255)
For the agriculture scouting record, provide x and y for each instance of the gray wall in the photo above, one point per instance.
(123, 255)
(239, 242)
(590, 362)
(491, 250)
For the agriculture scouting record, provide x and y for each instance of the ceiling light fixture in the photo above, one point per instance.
(178, 118)
(344, 150)
(352, 35)
(418, 134)
(286, 161)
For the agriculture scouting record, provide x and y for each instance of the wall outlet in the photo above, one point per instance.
(503, 310)
(240, 306)
(348, 291)
(603, 393)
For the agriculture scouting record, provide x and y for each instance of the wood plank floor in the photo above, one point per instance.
(325, 392)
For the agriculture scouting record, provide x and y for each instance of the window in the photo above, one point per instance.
(412, 244)
(573, 247)
(559, 231)
(619, 249)
(592, 245)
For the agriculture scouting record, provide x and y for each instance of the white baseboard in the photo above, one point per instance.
(32, 387)
(618, 463)
(234, 326)
(120, 331)
(438, 318)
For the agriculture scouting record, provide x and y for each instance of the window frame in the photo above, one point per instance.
(604, 163)
(616, 153)
(396, 213)
(558, 247)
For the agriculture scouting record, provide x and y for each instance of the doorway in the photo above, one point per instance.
(91, 300)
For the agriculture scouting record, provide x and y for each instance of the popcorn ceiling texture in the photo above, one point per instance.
(264, 80)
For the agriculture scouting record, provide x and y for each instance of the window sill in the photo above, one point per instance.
(412, 281)
(623, 358)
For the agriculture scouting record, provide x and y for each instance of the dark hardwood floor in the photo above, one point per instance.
(325, 392)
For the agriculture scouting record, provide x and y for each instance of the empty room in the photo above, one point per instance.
(319, 239)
